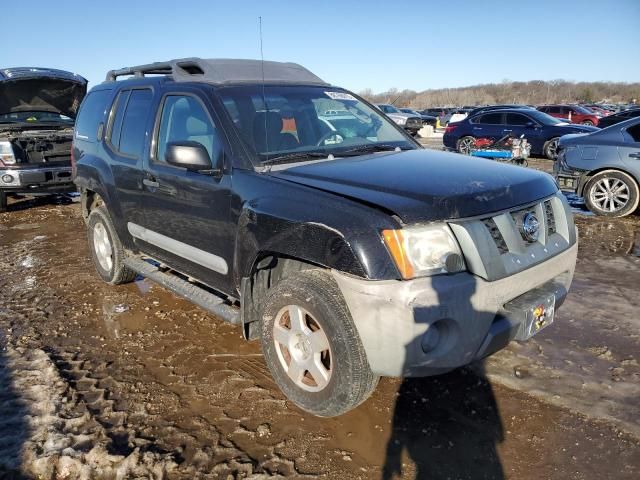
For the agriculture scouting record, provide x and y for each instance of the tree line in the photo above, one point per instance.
(535, 92)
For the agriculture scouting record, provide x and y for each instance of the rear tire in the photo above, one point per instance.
(612, 193)
(312, 346)
(106, 249)
(3, 202)
(550, 148)
(588, 123)
(465, 144)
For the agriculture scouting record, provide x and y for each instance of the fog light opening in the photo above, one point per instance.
(430, 338)
(6, 178)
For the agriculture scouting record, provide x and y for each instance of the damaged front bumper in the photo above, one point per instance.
(36, 180)
(432, 325)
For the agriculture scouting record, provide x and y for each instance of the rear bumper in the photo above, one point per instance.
(36, 180)
(431, 325)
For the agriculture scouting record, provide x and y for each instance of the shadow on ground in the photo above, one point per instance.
(446, 426)
(14, 428)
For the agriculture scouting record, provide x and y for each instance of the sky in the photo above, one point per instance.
(357, 45)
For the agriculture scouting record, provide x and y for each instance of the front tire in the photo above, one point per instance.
(312, 346)
(550, 148)
(612, 194)
(106, 249)
(588, 123)
(465, 144)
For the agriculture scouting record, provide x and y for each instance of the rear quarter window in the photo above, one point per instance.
(91, 114)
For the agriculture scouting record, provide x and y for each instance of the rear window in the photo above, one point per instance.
(91, 115)
(491, 119)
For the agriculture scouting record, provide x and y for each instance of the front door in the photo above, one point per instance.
(186, 213)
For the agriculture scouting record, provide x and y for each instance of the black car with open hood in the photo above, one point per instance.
(38, 107)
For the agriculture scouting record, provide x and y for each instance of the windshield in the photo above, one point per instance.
(543, 118)
(304, 121)
(35, 117)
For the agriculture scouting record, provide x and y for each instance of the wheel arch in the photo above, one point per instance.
(588, 176)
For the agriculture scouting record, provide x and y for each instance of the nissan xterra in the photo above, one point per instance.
(349, 250)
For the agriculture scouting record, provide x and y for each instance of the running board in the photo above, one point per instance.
(201, 297)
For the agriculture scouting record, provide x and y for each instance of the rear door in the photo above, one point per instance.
(489, 125)
(127, 127)
(186, 214)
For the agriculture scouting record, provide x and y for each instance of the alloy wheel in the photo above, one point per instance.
(303, 348)
(610, 194)
(102, 246)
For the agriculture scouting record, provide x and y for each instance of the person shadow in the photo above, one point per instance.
(446, 426)
(14, 426)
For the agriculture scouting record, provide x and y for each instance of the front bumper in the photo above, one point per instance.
(36, 180)
(459, 318)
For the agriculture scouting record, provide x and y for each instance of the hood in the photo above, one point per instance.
(425, 185)
(41, 89)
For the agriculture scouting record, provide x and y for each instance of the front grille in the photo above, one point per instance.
(550, 219)
(496, 246)
(498, 239)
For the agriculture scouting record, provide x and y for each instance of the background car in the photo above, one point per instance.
(426, 119)
(411, 123)
(572, 113)
(603, 167)
(541, 130)
(477, 110)
(619, 117)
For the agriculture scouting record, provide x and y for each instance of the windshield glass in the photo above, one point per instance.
(298, 121)
(543, 118)
(35, 117)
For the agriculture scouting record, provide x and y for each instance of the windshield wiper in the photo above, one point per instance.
(294, 156)
(364, 149)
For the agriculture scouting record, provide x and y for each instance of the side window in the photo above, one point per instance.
(91, 114)
(134, 122)
(634, 133)
(517, 119)
(115, 122)
(555, 110)
(184, 118)
(491, 119)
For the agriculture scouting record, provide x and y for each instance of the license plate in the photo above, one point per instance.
(540, 315)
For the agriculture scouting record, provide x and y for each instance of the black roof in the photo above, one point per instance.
(223, 71)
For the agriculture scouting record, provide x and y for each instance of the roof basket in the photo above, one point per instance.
(222, 71)
(188, 66)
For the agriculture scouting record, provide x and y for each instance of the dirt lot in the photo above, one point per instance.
(132, 382)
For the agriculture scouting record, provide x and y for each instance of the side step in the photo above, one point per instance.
(201, 297)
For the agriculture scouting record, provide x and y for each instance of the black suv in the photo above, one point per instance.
(334, 237)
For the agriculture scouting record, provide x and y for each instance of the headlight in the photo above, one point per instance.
(425, 250)
(400, 120)
(6, 153)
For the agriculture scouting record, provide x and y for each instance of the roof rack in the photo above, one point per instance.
(222, 71)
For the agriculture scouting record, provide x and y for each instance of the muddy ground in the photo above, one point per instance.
(132, 382)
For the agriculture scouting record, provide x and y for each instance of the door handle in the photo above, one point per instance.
(150, 183)
(635, 155)
(477, 128)
(507, 130)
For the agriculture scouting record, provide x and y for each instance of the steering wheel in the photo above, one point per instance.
(327, 136)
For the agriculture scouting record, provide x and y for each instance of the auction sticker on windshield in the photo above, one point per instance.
(341, 96)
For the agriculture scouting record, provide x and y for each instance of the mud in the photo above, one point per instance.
(131, 382)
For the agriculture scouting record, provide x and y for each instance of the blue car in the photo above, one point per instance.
(542, 131)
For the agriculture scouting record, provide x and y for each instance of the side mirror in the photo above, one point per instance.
(188, 154)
